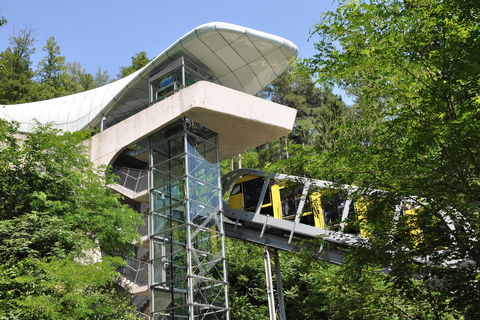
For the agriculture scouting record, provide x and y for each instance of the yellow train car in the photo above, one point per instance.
(319, 207)
(316, 203)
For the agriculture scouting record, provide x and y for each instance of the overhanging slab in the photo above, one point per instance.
(242, 121)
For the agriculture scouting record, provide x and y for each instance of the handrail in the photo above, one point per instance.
(131, 178)
(134, 274)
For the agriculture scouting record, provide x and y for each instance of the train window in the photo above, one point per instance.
(290, 197)
(288, 202)
(251, 193)
(332, 205)
(352, 224)
(237, 188)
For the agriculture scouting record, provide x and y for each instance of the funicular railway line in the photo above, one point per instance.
(316, 210)
(283, 234)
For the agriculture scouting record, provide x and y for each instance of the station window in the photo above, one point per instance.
(175, 76)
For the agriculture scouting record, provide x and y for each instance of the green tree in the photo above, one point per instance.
(3, 21)
(415, 136)
(101, 78)
(319, 111)
(52, 72)
(247, 292)
(56, 217)
(314, 289)
(76, 79)
(139, 60)
(17, 85)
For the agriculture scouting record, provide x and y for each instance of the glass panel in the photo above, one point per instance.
(204, 171)
(160, 154)
(332, 205)
(166, 85)
(206, 219)
(162, 299)
(207, 266)
(166, 247)
(170, 267)
(168, 149)
(191, 77)
(167, 219)
(206, 239)
(194, 69)
(168, 171)
(167, 132)
(211, 156)
(177, 235)
(173, 295)
(201, 131)
(202, 149)
(167, 195)
(291, 197)
(204, 193)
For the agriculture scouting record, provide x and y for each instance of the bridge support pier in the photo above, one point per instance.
(270, 291)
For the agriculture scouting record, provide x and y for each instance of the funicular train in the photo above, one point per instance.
(312, 202)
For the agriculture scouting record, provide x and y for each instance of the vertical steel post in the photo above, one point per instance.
(268, 275)
(281, 304)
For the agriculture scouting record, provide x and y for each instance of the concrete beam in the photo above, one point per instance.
(242, 121)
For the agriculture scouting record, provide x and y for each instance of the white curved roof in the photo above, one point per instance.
(240, 58)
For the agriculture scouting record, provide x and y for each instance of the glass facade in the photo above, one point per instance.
(188, 266)
(179, 74)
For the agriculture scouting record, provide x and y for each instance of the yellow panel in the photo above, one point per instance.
(361, 207)
(235, 201)
(214, 237)
(316, 200)
(275, 198)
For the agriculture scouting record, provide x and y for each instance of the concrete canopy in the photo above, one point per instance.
(239, 58)
(242, 121)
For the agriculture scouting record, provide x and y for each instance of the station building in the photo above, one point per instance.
(164, 130)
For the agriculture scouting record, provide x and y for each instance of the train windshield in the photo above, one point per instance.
(251, 193)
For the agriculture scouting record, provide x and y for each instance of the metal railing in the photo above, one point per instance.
(132, 179)
(134, 274)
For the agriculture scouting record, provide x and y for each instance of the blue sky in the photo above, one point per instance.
(107, 33)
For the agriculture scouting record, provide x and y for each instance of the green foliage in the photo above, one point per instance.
(75, 78)
(101, 78)
(56, 215)
(319, 111)
(3, 21)
(53, 78)
(414, 67)
(315, 289)
(139, 60)
(61, 289)
(246, 280)
(52, 71)
(17, 85)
